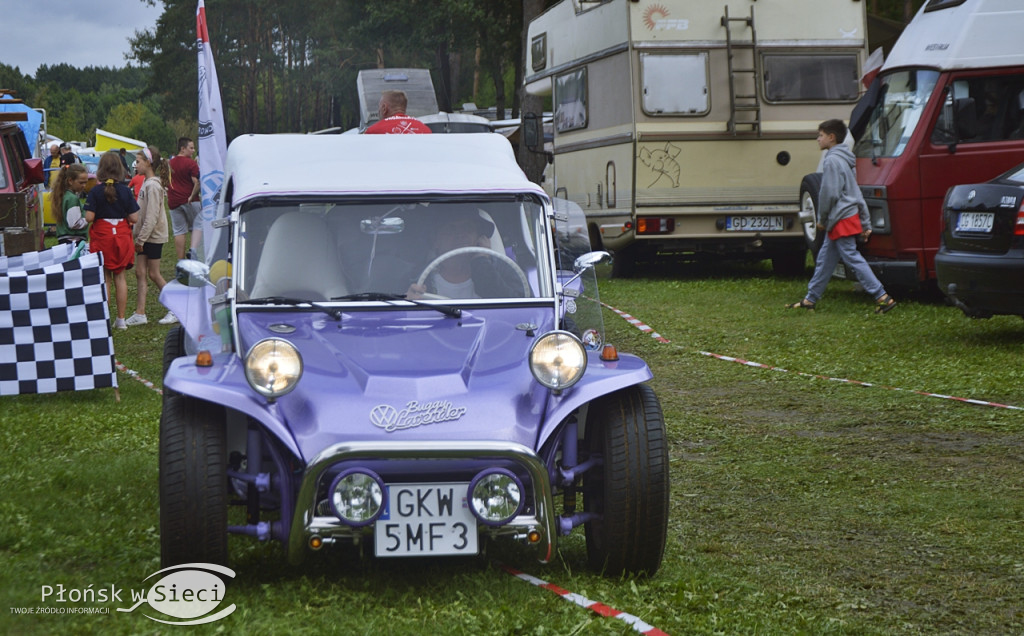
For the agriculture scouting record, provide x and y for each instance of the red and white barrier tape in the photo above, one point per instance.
(636, 322)
(598, 608)
(135, 374)
(860, 383)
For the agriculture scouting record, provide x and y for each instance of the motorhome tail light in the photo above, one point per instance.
(1018, 227)
(655, 225)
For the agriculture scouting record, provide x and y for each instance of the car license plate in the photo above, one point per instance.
(426, 520)
(762, 223)
(974, 222)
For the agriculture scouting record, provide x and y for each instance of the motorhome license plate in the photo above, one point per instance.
(427, 520)
(974, 222)
(760, 223)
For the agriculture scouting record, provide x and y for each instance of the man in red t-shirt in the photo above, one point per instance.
(183, 195)
(393, 120)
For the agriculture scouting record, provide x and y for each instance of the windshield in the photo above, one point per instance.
(904, 95)
(423, 249)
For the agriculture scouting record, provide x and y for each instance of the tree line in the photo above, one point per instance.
(290, 65)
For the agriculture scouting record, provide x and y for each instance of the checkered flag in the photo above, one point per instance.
(37, 260)
(55, 329)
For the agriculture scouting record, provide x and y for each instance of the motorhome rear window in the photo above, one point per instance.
(792, 77)
(675, 83)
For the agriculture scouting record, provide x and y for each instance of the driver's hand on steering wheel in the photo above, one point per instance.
(415, 291)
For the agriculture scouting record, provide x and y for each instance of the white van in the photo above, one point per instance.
(680, 127)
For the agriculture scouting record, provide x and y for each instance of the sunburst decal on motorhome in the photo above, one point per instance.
(654, 13)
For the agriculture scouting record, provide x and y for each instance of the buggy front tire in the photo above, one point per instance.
(630, 490)
(193, 482)
(174, 348)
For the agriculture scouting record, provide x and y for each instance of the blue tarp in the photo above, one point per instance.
(30, 128)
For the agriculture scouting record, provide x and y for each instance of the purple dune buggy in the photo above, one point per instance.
(395, 342)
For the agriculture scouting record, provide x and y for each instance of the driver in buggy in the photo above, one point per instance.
(471, 273)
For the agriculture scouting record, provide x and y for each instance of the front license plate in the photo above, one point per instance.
(762, 223)
(974, 222)
(426, 520)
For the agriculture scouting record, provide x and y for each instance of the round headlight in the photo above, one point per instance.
(558, 360)
(357, 496)
(496, 496)
(273, 367)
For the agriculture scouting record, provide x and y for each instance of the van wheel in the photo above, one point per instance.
(809, 189)
(630, 490)
(193, 482)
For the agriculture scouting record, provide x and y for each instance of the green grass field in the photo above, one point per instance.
(800, 505)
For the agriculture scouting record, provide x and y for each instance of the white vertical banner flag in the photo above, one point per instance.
(212, 136)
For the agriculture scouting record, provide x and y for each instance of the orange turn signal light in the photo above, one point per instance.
(609, 353)
(316, 542)
(204, 359)
(533, 536)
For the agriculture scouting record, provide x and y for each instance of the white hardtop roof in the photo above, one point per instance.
(311, 165)
(975, 34)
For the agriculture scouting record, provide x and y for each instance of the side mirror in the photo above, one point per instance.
(533, 135)
(532, 132)
(590, 259)
(192, 273)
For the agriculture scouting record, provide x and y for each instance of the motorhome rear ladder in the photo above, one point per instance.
(745, 106)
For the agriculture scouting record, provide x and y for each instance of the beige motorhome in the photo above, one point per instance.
(680, 126)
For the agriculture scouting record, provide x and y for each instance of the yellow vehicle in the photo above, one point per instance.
(682, 126)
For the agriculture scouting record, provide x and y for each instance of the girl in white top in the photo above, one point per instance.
(150, 233)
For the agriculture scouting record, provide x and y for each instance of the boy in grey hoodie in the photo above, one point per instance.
(842, 214)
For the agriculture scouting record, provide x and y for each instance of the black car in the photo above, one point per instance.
(980, 264)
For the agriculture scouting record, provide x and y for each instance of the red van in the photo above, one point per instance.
(947, 108)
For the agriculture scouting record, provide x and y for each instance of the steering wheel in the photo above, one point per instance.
(473, 249)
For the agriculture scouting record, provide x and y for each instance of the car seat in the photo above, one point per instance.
(299, 260)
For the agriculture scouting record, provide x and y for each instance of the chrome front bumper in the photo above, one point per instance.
(307, 524)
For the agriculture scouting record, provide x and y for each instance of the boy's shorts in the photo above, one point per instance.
(183, 217)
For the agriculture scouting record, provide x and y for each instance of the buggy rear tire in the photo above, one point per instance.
(193, 482)
(630, 491)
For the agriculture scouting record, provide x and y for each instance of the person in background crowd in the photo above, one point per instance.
(150, 232)
(183, 195)
(67, 199)
(136, 182)
(393, 120)
(111, 209)
(124, 162)
(51, 165)
(66, 156)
